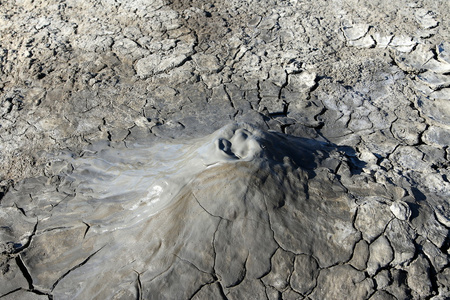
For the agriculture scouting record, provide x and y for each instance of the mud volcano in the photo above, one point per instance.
(348, 200)
(238, 214)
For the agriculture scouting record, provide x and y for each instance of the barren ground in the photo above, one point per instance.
(364, 84)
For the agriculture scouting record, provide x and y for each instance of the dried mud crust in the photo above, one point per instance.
(371, 77)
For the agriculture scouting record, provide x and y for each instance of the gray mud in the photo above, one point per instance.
(128, 168)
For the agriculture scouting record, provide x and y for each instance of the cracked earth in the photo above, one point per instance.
(129, 168)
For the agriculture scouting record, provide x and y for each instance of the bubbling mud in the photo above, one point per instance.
(144, 180)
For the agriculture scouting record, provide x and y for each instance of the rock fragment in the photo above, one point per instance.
(381, 254)
(356, 35)
(426, 18)
(403, 43)
(302, 82)
(354, 32)
(401, 210)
